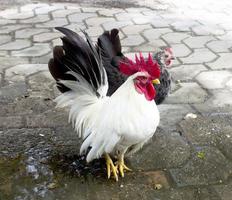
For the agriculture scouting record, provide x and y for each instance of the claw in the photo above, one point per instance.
(121, 166)
(111, 168)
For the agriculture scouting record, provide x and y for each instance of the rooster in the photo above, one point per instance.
(110, 45)
(109, 125)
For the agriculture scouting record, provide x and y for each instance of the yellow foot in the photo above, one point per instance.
(122, 167)
(111, 168)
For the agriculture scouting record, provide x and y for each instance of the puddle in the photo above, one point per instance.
(35, 174)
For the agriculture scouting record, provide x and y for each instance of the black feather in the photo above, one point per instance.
(79, 56)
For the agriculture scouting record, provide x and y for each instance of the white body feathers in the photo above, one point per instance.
(109, 124)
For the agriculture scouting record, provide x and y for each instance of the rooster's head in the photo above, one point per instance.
(144, 73)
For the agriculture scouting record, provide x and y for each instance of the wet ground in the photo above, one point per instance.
(189, 157)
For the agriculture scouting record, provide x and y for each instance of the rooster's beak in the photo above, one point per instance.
(156, 81)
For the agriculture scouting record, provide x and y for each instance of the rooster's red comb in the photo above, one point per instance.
(140, 64)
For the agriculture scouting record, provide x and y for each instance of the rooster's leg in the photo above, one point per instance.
(110, 167)
(121, 165)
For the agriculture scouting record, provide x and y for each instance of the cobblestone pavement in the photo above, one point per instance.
(189, 157)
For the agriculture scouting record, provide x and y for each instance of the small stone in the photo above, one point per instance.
(157, 186)
(52, 185)
(190, 116)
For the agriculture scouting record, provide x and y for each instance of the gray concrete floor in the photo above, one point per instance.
(190, 158)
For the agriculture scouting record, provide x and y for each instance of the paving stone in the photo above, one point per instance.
(28, 32)
(223, 62)
(11, 122)
(46, 9)
(224, 191)
(24, 70)
(219, 46)
(22, 15)
(56, 42)
(94, 31)
(171, 114)
(132, 40)
(211, 169)
(16, 45)
(46, 37)
(208, 30)
(198, 41)
(18, 141)
(186, 72)
(174, 38)
(79, 17)
(118, 24)
(97, 21)
(56, 119)
(8, 93)
(142, 20)
(161, 23)
(76, 27)
(12, 27)
(227, 36)
(64, 13)
(188, 93)
(7, 21)
(229, 84)
(26, 106)
(150, 46)
(9, 62)
(207, 193)
(153, 34)
(214, 79)
(122, 16)
(170, 151)
(88, 9)
(41, 85)
(32, 6)
(180, 50)
(42, 59)
(5, 39)
(53, 23)
(4, 53)
(184, 25)
(199, 56)
(35, 50)
(36, 19)
(135, 29)
(109, 12)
